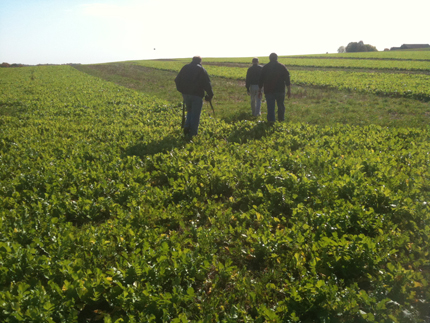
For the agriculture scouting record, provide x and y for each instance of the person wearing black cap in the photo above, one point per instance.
(252, 78)
(274, 77)
(193, 81)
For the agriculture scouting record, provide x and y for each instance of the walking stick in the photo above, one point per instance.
(213, 110)
(210, 102)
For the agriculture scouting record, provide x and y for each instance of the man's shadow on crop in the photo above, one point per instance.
(260, 130)
(142, 149)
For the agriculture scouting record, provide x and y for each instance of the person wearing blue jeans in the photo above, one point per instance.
(251, 82)
(193, 105)
(193, 81)
(274, 77)
(272, 100)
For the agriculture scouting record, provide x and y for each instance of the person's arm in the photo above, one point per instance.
(178, 81)
(288, 84)
(207, 85)
(247, 83)
(261, 81)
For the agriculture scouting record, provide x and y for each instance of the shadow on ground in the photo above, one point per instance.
(237, 117)
(12, 109)
(164, 145)
(255, 132)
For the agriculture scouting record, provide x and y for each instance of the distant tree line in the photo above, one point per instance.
(11, 65)
(22, 65)
(355, 47)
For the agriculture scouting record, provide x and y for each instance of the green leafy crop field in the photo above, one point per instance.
(108, 215)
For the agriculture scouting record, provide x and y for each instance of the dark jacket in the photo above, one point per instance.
(194, 80)
(253, 75)
(274, 77)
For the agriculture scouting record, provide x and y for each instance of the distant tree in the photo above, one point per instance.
(11, 65)
(370, 48)
(355, 47)
(352, 48)
(341, 49)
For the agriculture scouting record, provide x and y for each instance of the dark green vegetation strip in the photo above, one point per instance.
(135, 77)
(106, 214)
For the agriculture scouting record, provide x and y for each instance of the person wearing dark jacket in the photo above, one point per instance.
(193, 81)
(274, 77)
(252, 78)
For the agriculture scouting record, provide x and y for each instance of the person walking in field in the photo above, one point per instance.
(251, 83)
(193, 81)
(274, 77)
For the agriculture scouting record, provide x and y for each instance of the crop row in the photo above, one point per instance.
(406, 85)
(423, 55)
(406, 65)
(107, 214)
(380, 56)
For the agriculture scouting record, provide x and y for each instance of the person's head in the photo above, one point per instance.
(255, 61)
(197, 59)
(273, 57)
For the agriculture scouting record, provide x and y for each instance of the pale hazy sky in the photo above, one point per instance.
(97, 31)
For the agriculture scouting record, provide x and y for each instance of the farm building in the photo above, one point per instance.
(411, 46)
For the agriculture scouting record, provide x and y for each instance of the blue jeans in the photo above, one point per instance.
(194, 105)
(255, 100)
(277, 98)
